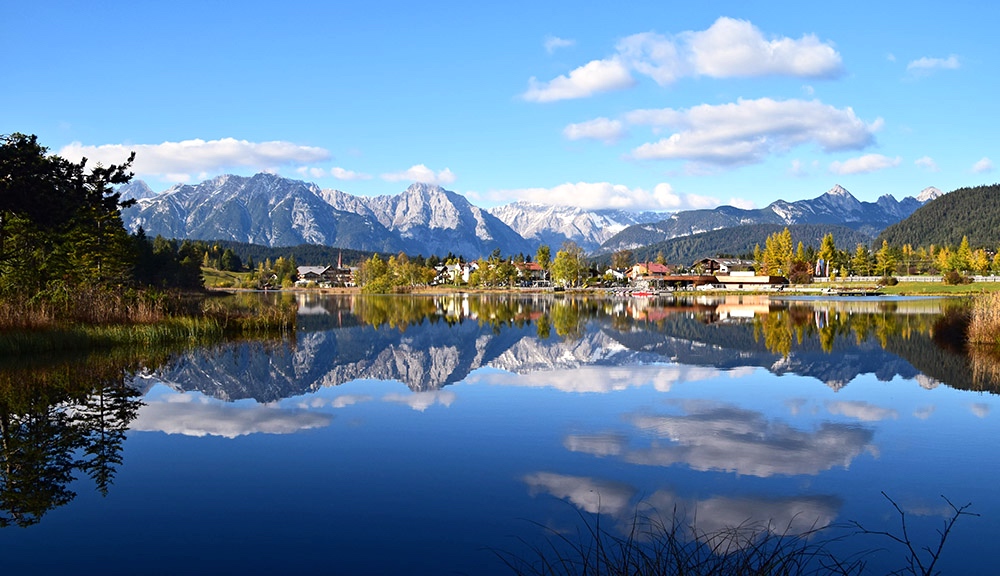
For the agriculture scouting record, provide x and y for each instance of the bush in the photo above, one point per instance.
(889, 281)
(954, 278)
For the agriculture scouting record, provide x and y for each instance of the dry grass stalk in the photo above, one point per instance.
(984, 325)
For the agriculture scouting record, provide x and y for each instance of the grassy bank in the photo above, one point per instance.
(83, 320)
(941, 289)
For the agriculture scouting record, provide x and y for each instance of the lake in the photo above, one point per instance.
(435, 434)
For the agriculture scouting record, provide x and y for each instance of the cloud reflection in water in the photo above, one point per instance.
(193, 414)
(710, 517)
(718, 437)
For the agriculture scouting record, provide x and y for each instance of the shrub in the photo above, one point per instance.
(889, 281)
(954, 278)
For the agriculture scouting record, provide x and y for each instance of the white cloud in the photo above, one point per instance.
(343, 174)
(727, 438)
(927, 65)
(601, 379)
(742, 203)
(553, 43)
(927, 163)
(656, 56)
(603, 129)
(195, 415)
(421, 401)
(737, 48)
(592, 78)
(729, 48)
(727, 522)
(596, 195)
(863, 411)
(864, 164)
(747, 131)
(980, 409)
(178, 160)
(421, 173)
(589, 494)
(984, 165)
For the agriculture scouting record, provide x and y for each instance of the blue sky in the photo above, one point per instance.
(645, 105)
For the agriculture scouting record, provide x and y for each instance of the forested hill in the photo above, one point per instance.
(740, 240)
(972, 212)
(304, 254)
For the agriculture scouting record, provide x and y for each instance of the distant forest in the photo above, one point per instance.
(739, 241)
(970, 212)
(303, 254)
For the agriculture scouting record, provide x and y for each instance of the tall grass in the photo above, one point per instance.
(83, 319)
(984, 324)
(651, 546)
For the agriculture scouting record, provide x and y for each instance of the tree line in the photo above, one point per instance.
(61, 229)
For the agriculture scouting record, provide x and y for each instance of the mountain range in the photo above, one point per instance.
(835, 207)
(273, 211)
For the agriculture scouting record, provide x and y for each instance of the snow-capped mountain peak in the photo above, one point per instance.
(928, 194)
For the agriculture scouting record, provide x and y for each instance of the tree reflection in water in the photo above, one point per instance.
(808, 333)
(58, 420)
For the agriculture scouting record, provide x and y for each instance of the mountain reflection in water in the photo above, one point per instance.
(428, 343)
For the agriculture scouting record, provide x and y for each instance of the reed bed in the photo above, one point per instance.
(649, 545)
(653, 547)
(984, 324)
(84, 319)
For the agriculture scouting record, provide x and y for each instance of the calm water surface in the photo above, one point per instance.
(400, 435)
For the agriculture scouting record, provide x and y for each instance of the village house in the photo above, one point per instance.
(447, 273)
(749, 280)
(531, 274)
(724, 265)
(649, 271)
(325, 276)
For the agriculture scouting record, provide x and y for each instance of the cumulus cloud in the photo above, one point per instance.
(421, 173)
(603, 129)
(923, 66)
(194, 415)
(602, 379)
(737, 48)
(179, 160)
(711, 519)
(599, 445)
(864, 164)
(862, 411)
(746, 131)
(927, 163)
(716, 518)
(421, 401)
(592, 78)
(335, 172)
(595, 195)
(727, 438)
(984, 165)
(729, 48)
(589, 494)
(553, 43)
(343, 174)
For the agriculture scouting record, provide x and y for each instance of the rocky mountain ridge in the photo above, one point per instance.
(836, 206)
(273, 211)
